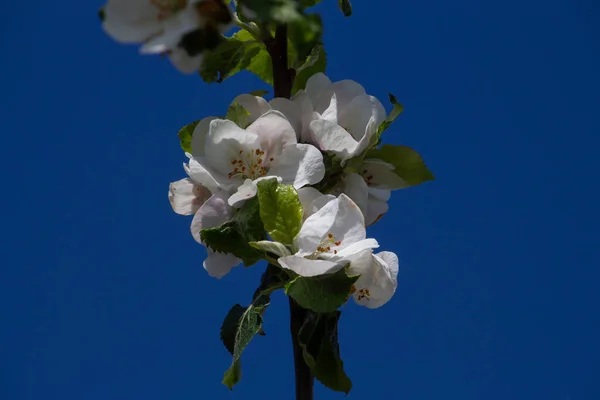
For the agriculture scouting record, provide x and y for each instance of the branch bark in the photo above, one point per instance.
(283, 80)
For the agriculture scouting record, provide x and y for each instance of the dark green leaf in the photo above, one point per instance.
(260, 62)
(304, 35)
(242, 323)
(234, 236)
(324, 293)
(259, 92)
(280, 210)
(318, 338)
(346, 7)
(396, 111)
(308, 3)
(185, 136)
(316, 62)
(279, 11)
(102, 14)
(408, 163)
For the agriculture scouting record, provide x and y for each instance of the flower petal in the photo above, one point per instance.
(246, 191)
(274, 131)
(306, 267)
(199, 136)
(203, 176)
(214, 212)
(331, 113)
(344, 91)
(355, 116)
(225, 142)
(375, 210)
(312, 200)
(381, 176)
(131, 21)
(355, 187)
(290, 111)
(299, 165)
(186, 197)
(380, 194)
(218, 264)
(183, 62)
(317, 84)
(255, 105)
(332, 137)
(306, 115)
(315, 228)
(355, 248)
(391, 260)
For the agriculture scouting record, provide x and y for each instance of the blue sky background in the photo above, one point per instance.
(102, 291)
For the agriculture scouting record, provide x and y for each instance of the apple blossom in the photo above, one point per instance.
(235, 159)
(327, 238)
(163, 26)
(378, 277)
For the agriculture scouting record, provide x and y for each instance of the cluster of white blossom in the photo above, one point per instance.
(287, 140)
(166, 26)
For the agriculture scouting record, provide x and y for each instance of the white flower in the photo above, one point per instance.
(312, 200)
(159, 24)
(327, 238)
(235, 159)
(214, 212)
(344, 117)
(371, 187)
(188, 197)
(378, 277)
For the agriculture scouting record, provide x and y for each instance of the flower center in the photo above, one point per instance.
(368, 177)
(363, 294)
(166, 8)
(250, 164)
(327, 243)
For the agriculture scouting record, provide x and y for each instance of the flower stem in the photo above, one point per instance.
(283, 80)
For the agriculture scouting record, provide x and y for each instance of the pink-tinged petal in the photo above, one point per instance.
(218, 264)
(299, 165)
(214, 212)
(380, 176)
(307, 268)
(186, 197)
(274, 131)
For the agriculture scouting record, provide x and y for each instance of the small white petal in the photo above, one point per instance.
(218, 264)
(375, 210)
(344, 90)
(331, 113)
(334, 138)
(201, 175)
(391, 260)
(368, 140)
(214, 212)
(306, 114)
(299, 165)
(356, 247)
(274, 131)
(186, 197)
(246, 191)
(380, 194)
(316, 84)
(183, 62)
(308, 268)
(315, 228)
(355, 116)
(199, 136)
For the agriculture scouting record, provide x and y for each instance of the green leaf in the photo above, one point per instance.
(324, 293)
(346, 7)
(185, 136)
(318, 338)
(304, 34)
(408, 163)
(280, 210)
(242, 323)
(235, 235)
(316, 62)
(238, 114)
(396, 111)
(279, 11)
(102, 14)
(308, 3)
(259, 92)
(271, 247)
(260, 63)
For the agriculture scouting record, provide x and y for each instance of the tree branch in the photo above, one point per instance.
(304, 378)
